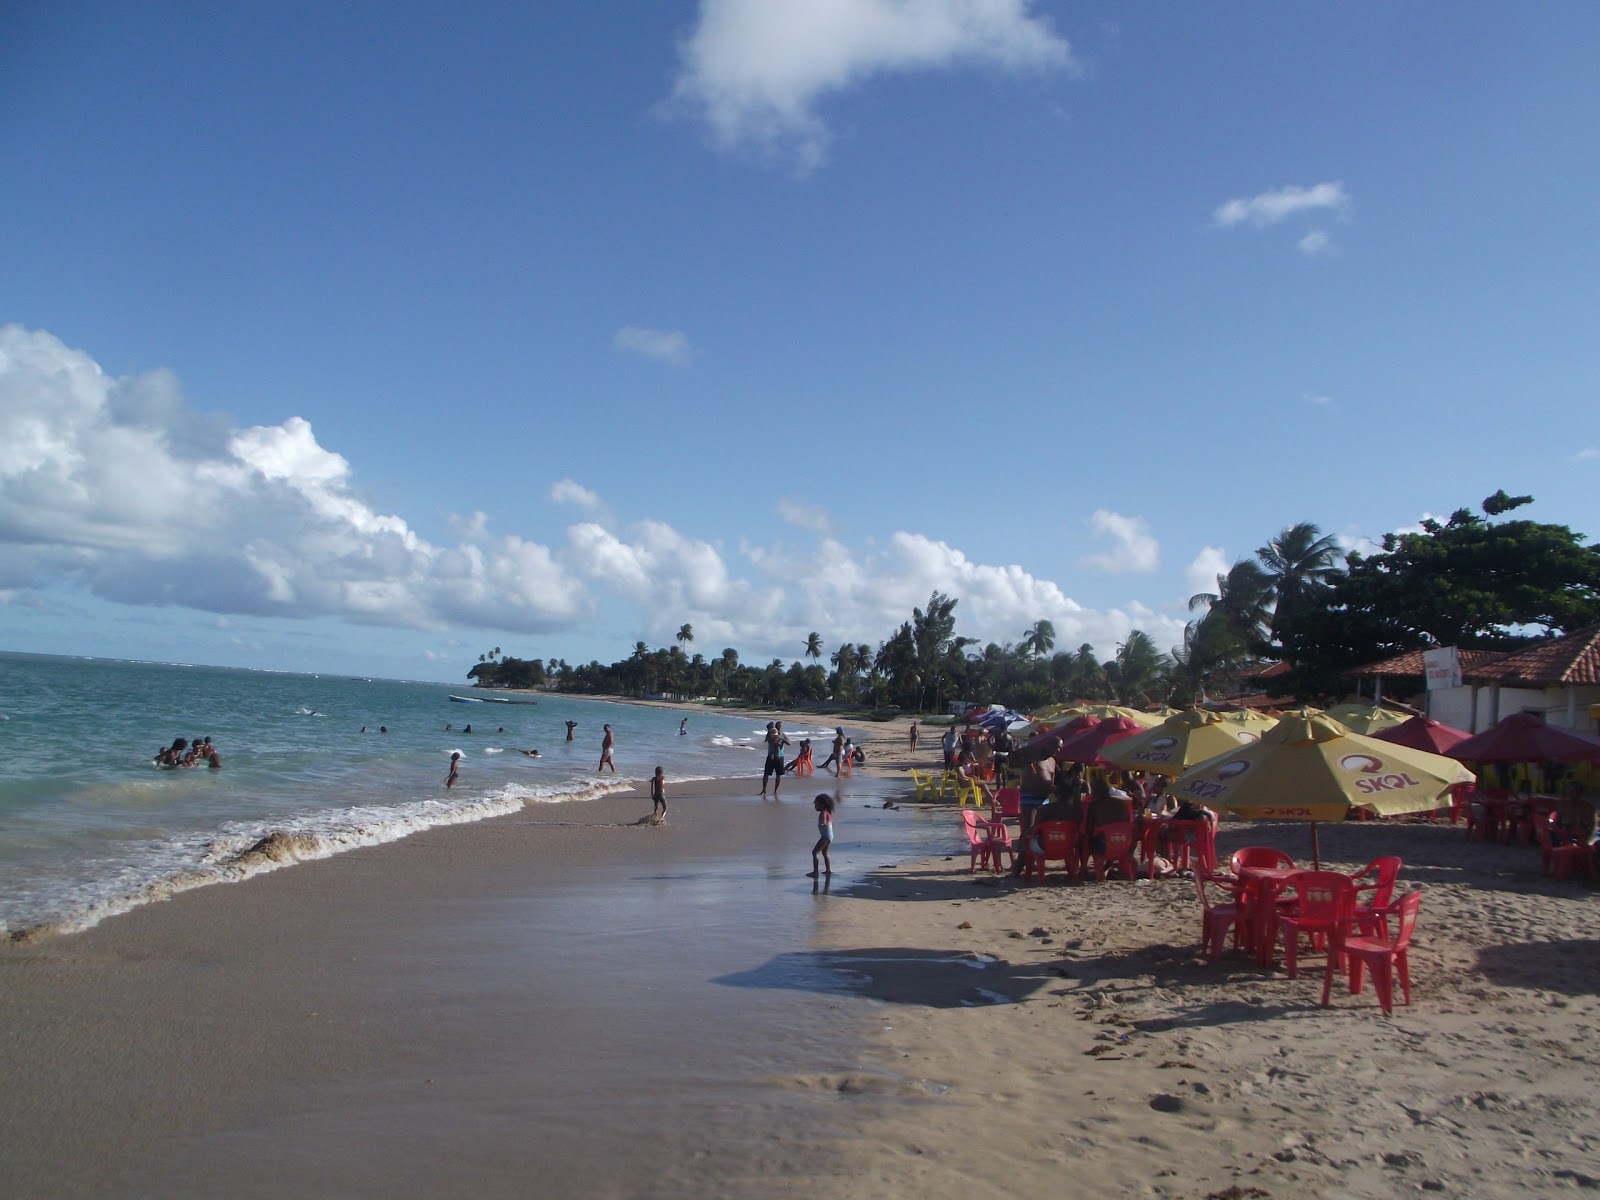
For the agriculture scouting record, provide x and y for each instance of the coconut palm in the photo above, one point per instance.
(685, 633)
(813, 646)
(1243, 600)
(1041, 639)
(1301, 563)
(1140, 672)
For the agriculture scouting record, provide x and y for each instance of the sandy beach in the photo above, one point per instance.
(566, 1002)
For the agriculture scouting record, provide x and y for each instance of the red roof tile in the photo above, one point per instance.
(1410, 663)
(1574, 658)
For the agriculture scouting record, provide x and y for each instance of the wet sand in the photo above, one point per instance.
(560, 1002)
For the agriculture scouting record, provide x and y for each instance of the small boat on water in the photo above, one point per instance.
(467, 699)
(489, 700)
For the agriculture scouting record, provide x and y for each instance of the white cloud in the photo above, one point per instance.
(1320, 401)
(1203, 571)
(864, 596)
(1134, 549)
(1269, 208)
(1315, 243)
(568, 491)
(805, 516)
(664, 345)
(101, 483)
(472, 528)
(1587, 453)
(757, 70)
(118, 488)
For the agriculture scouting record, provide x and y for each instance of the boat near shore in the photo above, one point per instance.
(489, 700)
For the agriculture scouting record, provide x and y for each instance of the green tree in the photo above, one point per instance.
(813, 646)
(685, 633)
(1041, 639)
(1302, 566)
(1469, 581)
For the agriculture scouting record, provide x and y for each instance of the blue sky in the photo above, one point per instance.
(367, 338)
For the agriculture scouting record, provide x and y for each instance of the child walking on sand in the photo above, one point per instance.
(658, 795)
(824, 806)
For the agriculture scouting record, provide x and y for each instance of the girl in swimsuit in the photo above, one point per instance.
(824, 806)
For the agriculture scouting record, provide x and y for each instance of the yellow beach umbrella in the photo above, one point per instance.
(1181, 741)
(1311, 768)
(1366, 718)
(1250, 717)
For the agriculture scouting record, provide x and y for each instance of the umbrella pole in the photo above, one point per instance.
(1316, 849)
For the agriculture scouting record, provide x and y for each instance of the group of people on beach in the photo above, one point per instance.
(183, 753)
(844, 756)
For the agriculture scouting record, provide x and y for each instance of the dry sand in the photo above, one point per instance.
(1031, 1032)
(552, 1004)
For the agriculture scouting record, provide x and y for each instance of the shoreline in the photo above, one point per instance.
(576, 997)
(566, 994)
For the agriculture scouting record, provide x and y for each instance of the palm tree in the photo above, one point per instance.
(1041, 639)
(1141, 670)
(813, 646)
(1301, 563)
(1242, 601)
(685, 633)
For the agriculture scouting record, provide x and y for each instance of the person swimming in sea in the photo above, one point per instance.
(531, 753)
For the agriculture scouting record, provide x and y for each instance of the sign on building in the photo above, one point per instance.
(1443, 667)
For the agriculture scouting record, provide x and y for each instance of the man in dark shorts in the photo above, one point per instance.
(1038, 785)
(773, 768)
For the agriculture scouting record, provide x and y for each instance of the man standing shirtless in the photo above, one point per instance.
(606, 743)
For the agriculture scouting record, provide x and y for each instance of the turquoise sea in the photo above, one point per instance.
(89, 826)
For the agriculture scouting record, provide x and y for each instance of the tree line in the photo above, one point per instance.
(1471, 581)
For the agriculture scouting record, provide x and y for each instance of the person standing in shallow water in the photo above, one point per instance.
(455, 760)
(658, 795)
(571, 725)
(606, 745)
(824, 805)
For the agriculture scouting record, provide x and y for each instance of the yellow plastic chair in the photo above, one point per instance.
(969, 789)
(929, 786)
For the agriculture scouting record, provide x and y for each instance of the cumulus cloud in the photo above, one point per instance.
(663, 345)
(1133, 548)
(757, 71)
(1203, 571)
(862, 596)
(569, 491)
(805, 516)
(117, 487)
(1269, 208)
(100, 482)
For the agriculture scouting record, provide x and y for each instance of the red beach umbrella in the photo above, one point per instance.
(1526, 738)
(1051, 740)
(1085, 747)
(1423, 733)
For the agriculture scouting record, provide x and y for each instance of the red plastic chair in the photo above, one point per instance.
(1323, 904)
(1384, 958)
(1259, 856)
(986, 841)
(1562, 860)
(1058, 842)
(1008, 802)
(1217, 919)
(1116, 847)
(1372, 912)
(1190, 846)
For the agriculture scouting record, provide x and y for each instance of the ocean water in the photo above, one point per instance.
(89, 826)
